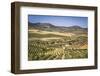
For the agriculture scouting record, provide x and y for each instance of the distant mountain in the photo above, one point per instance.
(51, 27)
(76, 27)
(44, 25)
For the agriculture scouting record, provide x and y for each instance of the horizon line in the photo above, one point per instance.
(59, 26)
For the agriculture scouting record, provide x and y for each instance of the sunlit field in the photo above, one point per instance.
(54, 45)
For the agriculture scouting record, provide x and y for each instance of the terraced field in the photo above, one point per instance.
(44, 45)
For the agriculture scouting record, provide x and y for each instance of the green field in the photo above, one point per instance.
(52, 46)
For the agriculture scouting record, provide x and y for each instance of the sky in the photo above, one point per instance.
(59, 20)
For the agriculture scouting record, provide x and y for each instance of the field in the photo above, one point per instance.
(53, 45)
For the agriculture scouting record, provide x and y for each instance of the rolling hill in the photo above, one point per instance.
(50, 27)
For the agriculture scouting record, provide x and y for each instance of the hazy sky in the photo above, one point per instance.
(59, 20)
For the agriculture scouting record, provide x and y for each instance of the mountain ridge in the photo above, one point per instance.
(50, 27)
(38, 24)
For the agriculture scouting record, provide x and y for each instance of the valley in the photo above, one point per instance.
(49, 42)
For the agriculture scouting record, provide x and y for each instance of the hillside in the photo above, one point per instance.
(50, 27)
